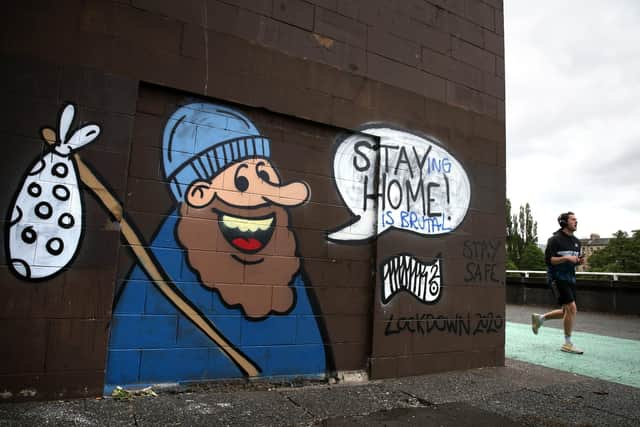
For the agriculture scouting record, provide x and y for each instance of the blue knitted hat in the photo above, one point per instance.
(201, 139)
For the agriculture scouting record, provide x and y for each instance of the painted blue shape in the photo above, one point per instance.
(143, 331)
(266, 149)
(197, 167)
(196, 292)
(274, 330)
(238, 122)
(303, 306)
(304, 325)
(188, 276)
(219, 307)
(258, 143)
(138, 274)
(176, 188)
(250, 150)
(204, 163)
(169, 257)
(230, 326)
(174, 350)
(234, 147)
(227, 153)
(189, 335)
(241, 146)
(220, 157)
(220, 366)
(211, 159)
(169, 365)
(295, 360)
(133, 301)
(156, 303)
(123, 367)
(178, 157)
(207, 115)
(183, 140)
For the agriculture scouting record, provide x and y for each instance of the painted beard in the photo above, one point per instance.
(247, 255)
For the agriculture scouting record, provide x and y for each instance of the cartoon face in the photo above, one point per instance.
(236, 232)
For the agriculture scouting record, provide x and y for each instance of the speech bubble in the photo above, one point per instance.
(390, 178)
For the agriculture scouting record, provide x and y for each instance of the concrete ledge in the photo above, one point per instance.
(593, 295)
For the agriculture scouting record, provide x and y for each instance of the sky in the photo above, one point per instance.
(572, 70)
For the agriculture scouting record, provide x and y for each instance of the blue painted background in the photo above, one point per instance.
(152, 342)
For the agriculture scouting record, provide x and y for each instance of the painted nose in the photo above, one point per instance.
(293, 194)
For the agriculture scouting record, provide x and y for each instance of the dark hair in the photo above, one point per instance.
(563, 219)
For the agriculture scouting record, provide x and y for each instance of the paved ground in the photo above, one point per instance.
(518, 394)
(612, 357)
(596, 323)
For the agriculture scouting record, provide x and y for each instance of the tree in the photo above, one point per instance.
(622, 254)
(522, 239)
(532, 258)
(512, 235)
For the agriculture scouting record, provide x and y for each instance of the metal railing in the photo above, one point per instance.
(615, 276)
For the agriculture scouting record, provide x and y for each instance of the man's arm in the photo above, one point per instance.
(555, 260)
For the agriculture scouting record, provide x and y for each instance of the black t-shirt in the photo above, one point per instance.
(561, 244)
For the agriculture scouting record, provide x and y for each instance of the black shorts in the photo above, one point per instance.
(564, 291)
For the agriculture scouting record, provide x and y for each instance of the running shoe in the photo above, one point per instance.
(535, 322)
(570, 348)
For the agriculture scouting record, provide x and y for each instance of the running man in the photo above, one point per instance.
(562, 255)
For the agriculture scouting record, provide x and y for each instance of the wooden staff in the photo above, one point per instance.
(150, 265)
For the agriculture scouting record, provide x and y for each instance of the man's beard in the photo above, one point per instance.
(256, 280)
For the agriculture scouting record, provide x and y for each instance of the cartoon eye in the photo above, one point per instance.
(264, 175)
(241, 182)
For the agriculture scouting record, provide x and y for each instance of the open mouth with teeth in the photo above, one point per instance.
(248, 235)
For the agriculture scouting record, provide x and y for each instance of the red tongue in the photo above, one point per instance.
(249, 244)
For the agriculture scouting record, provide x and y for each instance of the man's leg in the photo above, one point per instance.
(570, 311)
(554, 314)
(538, 319)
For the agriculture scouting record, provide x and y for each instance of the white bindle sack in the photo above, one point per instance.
(46, 218)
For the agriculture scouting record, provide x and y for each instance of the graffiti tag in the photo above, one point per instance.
(481, 256)
(405, 272)
(458, 324)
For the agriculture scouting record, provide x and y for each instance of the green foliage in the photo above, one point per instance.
(511, 265)
(532, 258)
(622, 254)
(522, 239)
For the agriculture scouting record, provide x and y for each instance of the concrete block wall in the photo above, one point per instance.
(308, 75)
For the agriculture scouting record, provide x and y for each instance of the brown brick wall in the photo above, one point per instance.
(416, 45)
(55, 332)
(306, 72)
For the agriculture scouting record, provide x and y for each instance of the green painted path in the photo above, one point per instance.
(607, 358)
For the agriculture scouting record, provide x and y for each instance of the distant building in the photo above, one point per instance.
(591, 245)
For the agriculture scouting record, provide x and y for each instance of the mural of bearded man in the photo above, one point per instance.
(228, 247)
